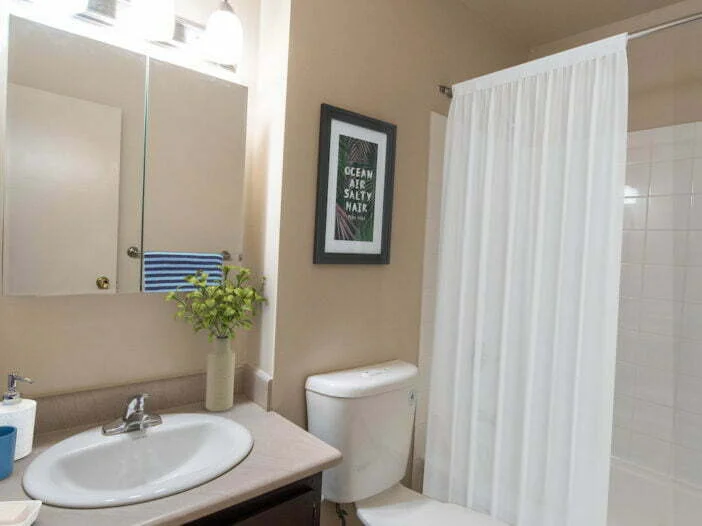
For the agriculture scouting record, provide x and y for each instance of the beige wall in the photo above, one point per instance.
(78, 342)
(664, 67)
(677, 104)
(385, 60)
(665, 72)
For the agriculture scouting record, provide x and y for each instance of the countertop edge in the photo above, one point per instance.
(254, 491)
(227, 502)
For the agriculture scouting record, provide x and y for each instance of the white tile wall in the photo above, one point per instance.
(629, 313)
(668, 212)
(638, 178)
(670, 177)
(650, 452)
(633, 246)
(688, 465)
(657, 352)
(654, 420)
(632, 275)
(660, 316)
(687, 507)
(635, 213)
(662, 282)
(639, 497)
(658, 405)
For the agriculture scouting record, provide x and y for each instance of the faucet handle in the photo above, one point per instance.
(137, 404)
(12, 396)
(13, 378)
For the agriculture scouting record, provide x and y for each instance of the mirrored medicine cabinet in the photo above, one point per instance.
(111, 153)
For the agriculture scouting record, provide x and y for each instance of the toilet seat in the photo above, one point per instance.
(400, 506)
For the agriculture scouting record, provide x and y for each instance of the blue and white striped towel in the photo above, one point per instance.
(166, 271)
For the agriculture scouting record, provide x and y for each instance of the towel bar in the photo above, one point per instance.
(135, 253)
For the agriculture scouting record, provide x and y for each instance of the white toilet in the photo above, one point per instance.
(368, 415)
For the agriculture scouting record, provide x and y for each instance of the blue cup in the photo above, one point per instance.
(8, 438)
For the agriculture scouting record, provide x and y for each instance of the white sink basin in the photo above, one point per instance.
(90, 470)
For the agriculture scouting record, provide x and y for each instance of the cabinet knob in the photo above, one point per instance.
(103, 283)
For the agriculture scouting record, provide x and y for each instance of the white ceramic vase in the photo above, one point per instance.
(220, 376)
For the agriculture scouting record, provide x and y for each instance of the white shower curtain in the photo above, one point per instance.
(521, 392)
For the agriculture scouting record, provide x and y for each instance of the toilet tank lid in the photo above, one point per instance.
(364, 381)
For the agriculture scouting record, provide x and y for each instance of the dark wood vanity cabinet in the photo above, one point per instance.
(294, 505)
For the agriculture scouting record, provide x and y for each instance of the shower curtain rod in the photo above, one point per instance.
(666, 25)
(448, 91)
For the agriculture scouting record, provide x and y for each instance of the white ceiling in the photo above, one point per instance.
(534, 22)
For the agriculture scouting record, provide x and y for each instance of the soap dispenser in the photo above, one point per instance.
(20, 413)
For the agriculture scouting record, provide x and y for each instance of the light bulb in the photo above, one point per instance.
(62, 7)
(223, 40)
(152, 20)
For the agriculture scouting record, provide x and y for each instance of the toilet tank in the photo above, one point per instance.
(367, 414)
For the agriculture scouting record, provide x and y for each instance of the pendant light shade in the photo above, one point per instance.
(63, 7)
(152, 20)
(223, 40)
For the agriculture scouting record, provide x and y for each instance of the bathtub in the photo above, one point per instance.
(640, 497)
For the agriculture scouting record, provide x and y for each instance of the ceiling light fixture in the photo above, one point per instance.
(223, 40)
(62, 7)
(152, 20)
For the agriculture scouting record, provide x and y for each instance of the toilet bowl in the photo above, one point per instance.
(402, 506)
(368, 415)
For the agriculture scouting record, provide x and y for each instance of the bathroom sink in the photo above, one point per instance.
(90, 470)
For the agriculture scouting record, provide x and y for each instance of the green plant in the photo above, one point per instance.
(219, 309)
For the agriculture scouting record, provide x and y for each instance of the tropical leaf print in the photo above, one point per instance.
(344, 227)
(355, 189)
(361, 152)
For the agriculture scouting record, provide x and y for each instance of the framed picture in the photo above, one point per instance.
(354, 188)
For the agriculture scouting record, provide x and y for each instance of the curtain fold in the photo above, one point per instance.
(522, 381)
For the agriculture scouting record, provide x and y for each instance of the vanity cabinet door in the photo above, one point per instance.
(294, 505)
(302, 510)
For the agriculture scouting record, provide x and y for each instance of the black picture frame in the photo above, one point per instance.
(357, 163)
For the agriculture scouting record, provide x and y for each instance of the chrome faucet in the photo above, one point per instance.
(135, 418)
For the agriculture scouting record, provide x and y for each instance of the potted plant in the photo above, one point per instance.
(221, 310)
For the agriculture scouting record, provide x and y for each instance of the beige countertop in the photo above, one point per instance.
(282, 453)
